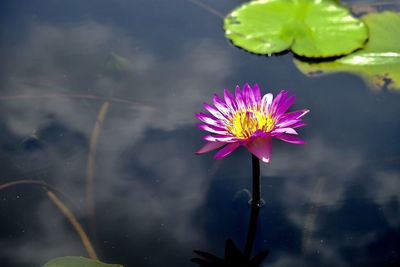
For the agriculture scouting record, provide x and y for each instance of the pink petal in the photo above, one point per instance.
(266, 103)
(277, 102)
(294, 115)
(207, 119)
(260, 133)
(298, 124)
(221, 138)
(212, 129)
(291, 124)
(247, 93)
(252, 99)
(239, 98)
(226, 150)
(291, 139)
(220, 105)
(286, 130)
(261, 148)
(215, 112)
(285, 105)
(230, 100)
(257, 95)
(209, 146)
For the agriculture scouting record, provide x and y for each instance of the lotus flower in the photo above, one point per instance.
(249, 120)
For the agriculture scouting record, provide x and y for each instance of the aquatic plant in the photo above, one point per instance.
(75, 261)
(309, 28)
(378, 63)
(250, 120)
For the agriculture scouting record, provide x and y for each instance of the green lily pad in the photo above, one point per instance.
(378, 63)
(310, 28)
(73, 261)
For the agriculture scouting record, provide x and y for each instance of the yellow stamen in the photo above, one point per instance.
(245, 122)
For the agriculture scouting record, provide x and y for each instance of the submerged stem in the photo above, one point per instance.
(62, 207)
(42, 184)
(90, 184)
(26, 181)
(75, 223)
(76, 96)
(208, 8)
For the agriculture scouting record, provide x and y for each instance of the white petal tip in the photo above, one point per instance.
(266, 160)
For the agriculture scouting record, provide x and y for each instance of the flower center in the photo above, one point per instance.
(244, 123)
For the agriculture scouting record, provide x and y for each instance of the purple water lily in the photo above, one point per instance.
(250, 120)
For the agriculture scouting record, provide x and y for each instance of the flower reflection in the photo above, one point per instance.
(250, 120)
(233, 258)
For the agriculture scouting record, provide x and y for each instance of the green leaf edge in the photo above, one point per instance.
(79, 258)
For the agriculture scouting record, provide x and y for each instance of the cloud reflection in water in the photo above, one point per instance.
(156, 200)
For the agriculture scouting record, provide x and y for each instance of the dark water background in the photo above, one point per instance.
(332, 202)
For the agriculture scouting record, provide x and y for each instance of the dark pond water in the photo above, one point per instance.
(108, 90)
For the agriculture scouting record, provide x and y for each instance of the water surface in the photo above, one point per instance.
(140, 70)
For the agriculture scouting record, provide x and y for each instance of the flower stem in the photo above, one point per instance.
(252, 230)
(256, 203)
(256, 199)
